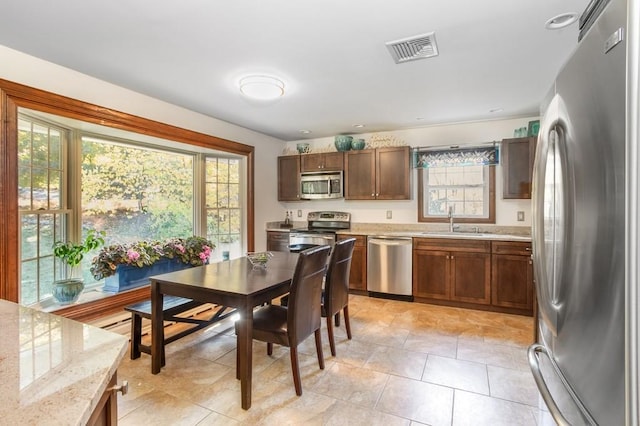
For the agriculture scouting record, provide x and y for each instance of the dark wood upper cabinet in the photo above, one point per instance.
(517, 167)
(289, 178)
(327, 161)
(378, 174)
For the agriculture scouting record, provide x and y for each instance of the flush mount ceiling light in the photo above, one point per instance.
(358, 126)
(561, 21)
(261, 87)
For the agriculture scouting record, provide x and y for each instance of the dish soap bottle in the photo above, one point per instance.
(287, 220)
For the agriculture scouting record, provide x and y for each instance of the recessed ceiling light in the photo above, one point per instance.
(305, 131)
(492, 110)
(561, 21)
(359, 126)
(419, 118)
(261, 87)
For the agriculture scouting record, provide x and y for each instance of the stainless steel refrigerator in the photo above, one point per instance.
(580, 224)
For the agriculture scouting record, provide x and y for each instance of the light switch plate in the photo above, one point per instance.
(389, 214)
(299, 213)
(520, 216)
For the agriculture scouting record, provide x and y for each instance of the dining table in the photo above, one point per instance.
(234, 283)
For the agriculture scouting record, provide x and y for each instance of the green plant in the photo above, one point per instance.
(193, 251)
(71, 254)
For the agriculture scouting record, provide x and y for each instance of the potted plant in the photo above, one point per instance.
(66, 291)
(127, 266)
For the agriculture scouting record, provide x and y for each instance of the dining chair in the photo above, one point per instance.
(335, 297)
(291, 325)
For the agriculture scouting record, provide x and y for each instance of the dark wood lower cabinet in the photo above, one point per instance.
(358, 275)
(512, 276)
(459, 275)
(278, 241)
(487, 275)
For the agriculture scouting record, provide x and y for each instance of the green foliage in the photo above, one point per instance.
(71, 253)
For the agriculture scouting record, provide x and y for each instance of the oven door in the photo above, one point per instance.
(299, 241)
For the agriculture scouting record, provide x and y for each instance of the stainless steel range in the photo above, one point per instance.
(321, 229)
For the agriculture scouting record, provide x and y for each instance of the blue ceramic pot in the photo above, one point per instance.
(358, 144)
(343, 143)
(67, 292)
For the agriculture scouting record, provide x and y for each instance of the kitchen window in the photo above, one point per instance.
(469, 191)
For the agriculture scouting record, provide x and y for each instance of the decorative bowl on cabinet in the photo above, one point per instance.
(343, 142)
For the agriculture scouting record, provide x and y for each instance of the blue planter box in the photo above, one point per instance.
(128, 277)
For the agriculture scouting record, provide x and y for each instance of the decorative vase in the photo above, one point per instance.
(357, 144)
(67, 292)
(343, 143)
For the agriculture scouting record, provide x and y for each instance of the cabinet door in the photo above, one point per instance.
(517, 167)
(471, 277)
(512, 281)
(358, 274)
(431, 274)
(311, 162)
(277, 241)
(289, 178)
(393, 172)
(360, 175)
(333, 161)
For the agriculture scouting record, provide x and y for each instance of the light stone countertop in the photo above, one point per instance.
(53, 370)
(463, 231)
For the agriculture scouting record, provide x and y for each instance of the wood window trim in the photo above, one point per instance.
(14, 96)
(492, 203)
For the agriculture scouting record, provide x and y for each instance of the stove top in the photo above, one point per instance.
(328, 221)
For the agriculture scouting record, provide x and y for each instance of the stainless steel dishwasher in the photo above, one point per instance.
(389, 267)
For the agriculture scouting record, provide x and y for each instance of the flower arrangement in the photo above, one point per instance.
(193, 251)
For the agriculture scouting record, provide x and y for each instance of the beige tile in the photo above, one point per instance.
(159, 408)
(416, 400)
(280, 370)
(352, 384)
(492, 354)
(383, 335)
(342, 413)
(455, 373)
(215, 419)
(479, 410)
(354, 352)
(513, 385)
(397, 361)
(432, 342)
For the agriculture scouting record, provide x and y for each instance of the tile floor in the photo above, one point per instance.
(408, 364)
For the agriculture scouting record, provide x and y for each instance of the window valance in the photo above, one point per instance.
(453, 156)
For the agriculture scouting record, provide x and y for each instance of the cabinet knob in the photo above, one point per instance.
(373, 195)
(123, 388)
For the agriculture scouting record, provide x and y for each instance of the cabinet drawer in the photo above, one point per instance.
(511, 247)
(447, 244)
(276, 236)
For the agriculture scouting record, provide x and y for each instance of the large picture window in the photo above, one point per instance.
(71, 181)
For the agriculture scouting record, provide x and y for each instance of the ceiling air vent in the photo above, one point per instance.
(413, 48)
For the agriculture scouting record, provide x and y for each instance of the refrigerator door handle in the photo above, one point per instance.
(554, 410)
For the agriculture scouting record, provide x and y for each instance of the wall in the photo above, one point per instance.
(407, 211)
(30, 71)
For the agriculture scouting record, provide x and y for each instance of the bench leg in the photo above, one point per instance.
(136, 335)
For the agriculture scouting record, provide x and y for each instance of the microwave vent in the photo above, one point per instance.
(413, 48)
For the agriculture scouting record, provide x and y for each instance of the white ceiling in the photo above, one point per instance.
(331, 54)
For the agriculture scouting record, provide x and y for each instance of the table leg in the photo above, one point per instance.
(157, 329)
(245, 353)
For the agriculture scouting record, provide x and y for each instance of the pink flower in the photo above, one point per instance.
(180, 248)
(132, 255)
(203, 256)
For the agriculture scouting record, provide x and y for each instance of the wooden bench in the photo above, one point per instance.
(171, 307)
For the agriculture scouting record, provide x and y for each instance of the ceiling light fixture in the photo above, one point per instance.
(261, 87)
(359, 126)
(561, 21)
(492, 110)
(305, 131)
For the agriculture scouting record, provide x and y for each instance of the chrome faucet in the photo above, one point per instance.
(450, 218)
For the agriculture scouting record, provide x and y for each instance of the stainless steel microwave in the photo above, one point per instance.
(315, 186)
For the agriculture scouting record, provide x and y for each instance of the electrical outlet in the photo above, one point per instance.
(520, 216)
(389, 214)
(299, 213)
